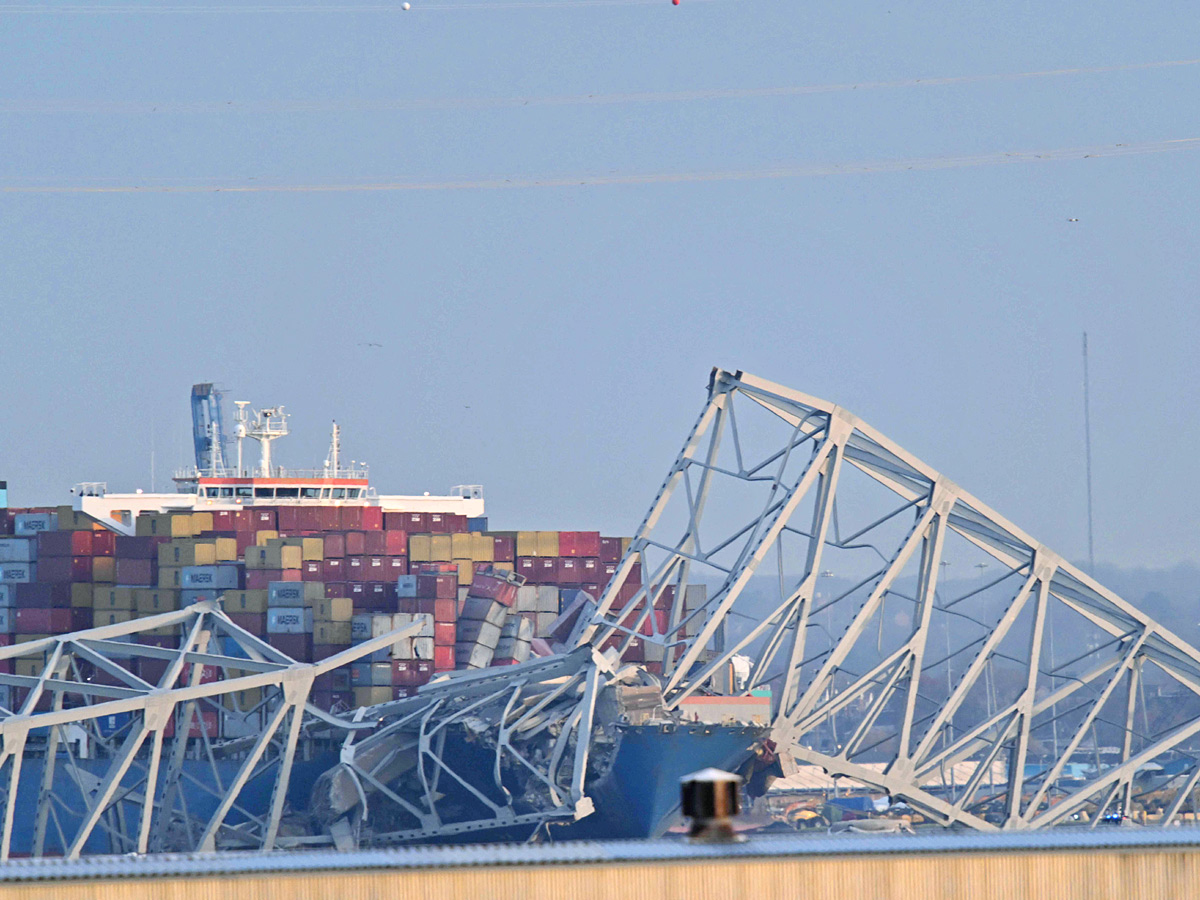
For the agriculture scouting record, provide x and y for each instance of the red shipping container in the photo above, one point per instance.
(372, 518)
(288, 518)
(104, 543)
(356, 543)
(137, 547)
(333, 570)
(416, 523)
(245, 540)
(312, 570)
(378, 567)
(444, 633)
(395, 543)
(335, 589)
(397, 566)
(590, 571)
(6, 639)
(438, 523)
(263, 519)
(610, 550)
(224, 520)
(308, 518)
(595, 590)
(208, 674)
(443, 658)
(394, 521)
(203, 722)
(547, 569)
(335, 545)
(569, 571)
(42, 620)
(374, 543)
(445, 610)
(255, 623)
(527, 567)
(356, 568)
(289, 575)
(259, 579)
(566, 543)
(504, 549)
(426, 606)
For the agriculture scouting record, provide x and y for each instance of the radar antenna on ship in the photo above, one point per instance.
(332, 463)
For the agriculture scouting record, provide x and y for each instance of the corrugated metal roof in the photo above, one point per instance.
(169, 865)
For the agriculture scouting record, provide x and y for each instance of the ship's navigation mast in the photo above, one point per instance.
(332, 463)
(267, 425)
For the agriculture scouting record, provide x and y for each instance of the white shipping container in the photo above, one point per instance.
(527, 598)
(6, 595)
(34, 523)
(422, 648)
(472, 656)
(695, 596)
(403, 649)
(18, 549)
(380, 625)
(547, 598)
(285, 620)
(510, 648)
(18, 572)
(481, 609)
(425, 620)
(472, 631)
(7, 617)
(6, 696)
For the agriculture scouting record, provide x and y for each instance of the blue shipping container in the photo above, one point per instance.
(210, 577)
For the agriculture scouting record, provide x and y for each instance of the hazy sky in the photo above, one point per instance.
(552, 340)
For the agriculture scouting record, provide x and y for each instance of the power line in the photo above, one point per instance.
(468, 103)
(801, 170)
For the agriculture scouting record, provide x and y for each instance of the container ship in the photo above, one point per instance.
(314, 562)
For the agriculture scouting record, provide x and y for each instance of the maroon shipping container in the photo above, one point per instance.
(263, 519)
(394, 521)
(527, 567)
(42, 620)
(335, 545)
(350, 518)
(333, 570)
(104, 543)
(224, 520)
(324, 651)
(596, 590)
(397, 566)
(444, 633)
(547, 569)
(457, 524)
(203, 722)
(42, 595)
(64, 543)
(335, 589)
(590, 571)
(6, 639)
(375, 543)
(137, 547)
(312, 570)
(328, 518)
(81, 619)
(255, 623)
(355, 590)
(379, 568)
(404, 672)
(372, 518)
(337, 680)
(445, 610)
(288, 519)
(587, 543)
(426, 607)
(260, 579)
(297, 646)
(356, 544)
(610, 550)
(437, 587)
(137, 571)
(416, 523)
(504, 549)
(356, 568)
(65, 569)
(438, 523)
(245, 540)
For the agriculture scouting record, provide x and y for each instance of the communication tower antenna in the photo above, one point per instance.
(335, 448)
(1087, 439)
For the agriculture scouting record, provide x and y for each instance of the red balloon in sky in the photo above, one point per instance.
(675, 2)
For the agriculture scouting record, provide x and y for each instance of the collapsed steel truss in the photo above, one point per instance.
(1030, 673)
(838, 571)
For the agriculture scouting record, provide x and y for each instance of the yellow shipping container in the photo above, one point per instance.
(466, 572)
(262, 538)
(68, 519)
(547, 543)
(164, 631)
(82, 595)
(483, 548)
(26, 638)
(282, 557)
(149, 602)
(107, 597)
(150, 525)
(181, 525)
(441, 548)
(312, 549)
(334, 609)
(104, 569)
(527, 543)
(168, 576)
(420, 547)
(111, 616)
(187, 552)
(503, 566)
(625, 542)
(30, 668)
(202, 521)
(460, 546)
(225, 549)
(331, 633)
(369, 696)
(248, 699)
(246, 601)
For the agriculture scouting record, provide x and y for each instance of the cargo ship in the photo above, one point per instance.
(316, 561)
